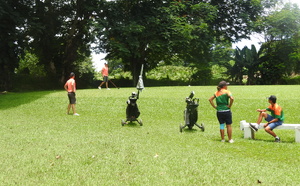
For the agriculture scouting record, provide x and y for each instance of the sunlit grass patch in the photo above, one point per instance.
(42, 145)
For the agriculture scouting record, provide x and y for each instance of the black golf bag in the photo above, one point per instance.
(191, 113)
(132, 110)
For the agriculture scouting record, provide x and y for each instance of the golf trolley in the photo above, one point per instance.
(132, 110)
(191, 113)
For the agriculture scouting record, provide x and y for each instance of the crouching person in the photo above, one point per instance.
(275, 119)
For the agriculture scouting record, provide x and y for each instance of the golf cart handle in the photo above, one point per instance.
(192, 95)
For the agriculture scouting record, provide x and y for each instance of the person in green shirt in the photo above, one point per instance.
(224, 101)
(274, 120)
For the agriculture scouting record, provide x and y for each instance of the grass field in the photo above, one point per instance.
(41, 145)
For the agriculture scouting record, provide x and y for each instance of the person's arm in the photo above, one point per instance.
(276, 117)
(66, 87)
(211, 100)
(101, 71)
(231, 99)
(73, 86)
(273, 120)
(261, 110)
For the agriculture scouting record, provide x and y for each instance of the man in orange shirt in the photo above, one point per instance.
(104, 72)
(70, 87)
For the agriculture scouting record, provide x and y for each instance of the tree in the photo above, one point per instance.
(246, 63)
(28, 64)
(279, 52)
(58, 32)
(61, 32)
(150, 31)
(238, 69)
(13, 16)
(252, 61)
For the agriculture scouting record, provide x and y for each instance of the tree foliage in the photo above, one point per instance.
(61, 34)
(278, 56)
(246, 63)
(279, 52)
(13, 15)
(56, 36)
(58, 32)
(150, 31)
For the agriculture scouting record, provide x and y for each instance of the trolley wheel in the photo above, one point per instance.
(180, 127)
(202, 127)
(140, 122)
(123, 122)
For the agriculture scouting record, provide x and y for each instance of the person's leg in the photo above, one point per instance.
(68, 110)
(106, 84)
(269, 130)
(270, 127)
(228, 122)
(220, 116)
(229, 131)
(73, 108)
(69, 105)
(261, 116)
(73, 102)
(101, 84)
(222, 133)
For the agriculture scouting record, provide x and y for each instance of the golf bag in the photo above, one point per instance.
(132, 110)
(191, 113)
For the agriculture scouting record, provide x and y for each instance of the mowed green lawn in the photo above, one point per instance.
(41, 145)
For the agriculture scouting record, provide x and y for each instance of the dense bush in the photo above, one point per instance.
(291, 80)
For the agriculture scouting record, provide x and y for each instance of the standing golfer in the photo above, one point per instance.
(70, 87)
(224, 115)
(275, 119)
(104, 73)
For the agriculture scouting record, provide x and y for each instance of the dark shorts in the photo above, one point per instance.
(72, 98)
(274, 124)
(225, 117)
(105, 79)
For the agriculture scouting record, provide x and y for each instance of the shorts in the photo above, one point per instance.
(105, 78)
(225, 117)
(72, 98)
(274, 124)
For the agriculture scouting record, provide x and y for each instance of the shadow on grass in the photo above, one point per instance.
(193, 130)
(11, 100)
(271, 141)
(132, 124)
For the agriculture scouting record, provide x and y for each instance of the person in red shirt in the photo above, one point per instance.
(104, 72)
(70, 87)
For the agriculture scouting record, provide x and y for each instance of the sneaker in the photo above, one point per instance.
(76, 114)
(231, 141)
(253, 127)
(277, 140)
(99, 87)
(222, 140)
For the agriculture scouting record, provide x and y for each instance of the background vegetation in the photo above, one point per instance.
(44, 40)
